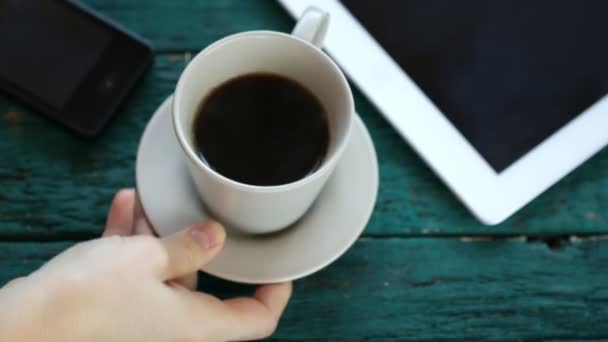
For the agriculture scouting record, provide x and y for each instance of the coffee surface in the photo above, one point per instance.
(261, 129)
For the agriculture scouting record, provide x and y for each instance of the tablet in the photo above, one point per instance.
(501, 98)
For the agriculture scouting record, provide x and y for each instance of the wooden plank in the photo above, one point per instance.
(186, 25)
(54, 185)
(428, 290)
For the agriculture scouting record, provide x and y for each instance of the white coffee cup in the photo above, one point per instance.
(264, 209)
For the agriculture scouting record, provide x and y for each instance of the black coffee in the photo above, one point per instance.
(261, 129)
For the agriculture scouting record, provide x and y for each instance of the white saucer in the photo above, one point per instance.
(325, 232)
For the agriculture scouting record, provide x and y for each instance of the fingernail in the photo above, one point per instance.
(208, 234)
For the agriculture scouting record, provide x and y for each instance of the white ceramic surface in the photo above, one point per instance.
(490, 196)
(325, 232)
(264, 209)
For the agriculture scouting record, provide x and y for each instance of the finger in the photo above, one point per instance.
(120, 217)
(191, 249)
(141, 224)
(274, 296)
(257, 317)
(12, 283)
(189, 281)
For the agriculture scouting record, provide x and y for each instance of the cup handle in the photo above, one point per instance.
(312, 26)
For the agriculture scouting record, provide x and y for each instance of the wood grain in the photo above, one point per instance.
(185, 25)
(428, 289)
(55, 186)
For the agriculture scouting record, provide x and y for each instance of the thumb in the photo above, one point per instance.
(192, 248)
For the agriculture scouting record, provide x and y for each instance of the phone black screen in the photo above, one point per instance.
(48, 47)
(507, 74)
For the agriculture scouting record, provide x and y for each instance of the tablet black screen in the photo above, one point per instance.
(507, 74)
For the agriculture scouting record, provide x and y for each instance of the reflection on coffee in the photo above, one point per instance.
(261, 129)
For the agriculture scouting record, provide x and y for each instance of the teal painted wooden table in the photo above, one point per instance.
(424, 268)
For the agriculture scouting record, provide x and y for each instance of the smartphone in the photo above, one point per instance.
(68, 62)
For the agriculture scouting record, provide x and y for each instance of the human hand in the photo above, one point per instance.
(134, 288)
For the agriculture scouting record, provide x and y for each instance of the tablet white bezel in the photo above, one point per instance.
(490, 196)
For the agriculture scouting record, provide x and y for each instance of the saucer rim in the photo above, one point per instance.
(357, 124)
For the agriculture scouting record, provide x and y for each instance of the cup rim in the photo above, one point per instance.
(189, 150)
